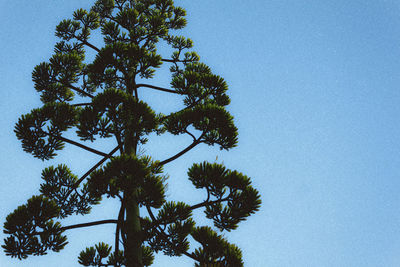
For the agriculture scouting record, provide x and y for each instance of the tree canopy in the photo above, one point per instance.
(101, 99)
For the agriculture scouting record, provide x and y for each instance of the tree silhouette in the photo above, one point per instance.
(100, 99)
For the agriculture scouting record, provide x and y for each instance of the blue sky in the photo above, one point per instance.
(314, 89)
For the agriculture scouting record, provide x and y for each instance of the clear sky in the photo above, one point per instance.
(315, 94)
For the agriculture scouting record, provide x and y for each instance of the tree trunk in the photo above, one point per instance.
(132, 228)
(133, 246)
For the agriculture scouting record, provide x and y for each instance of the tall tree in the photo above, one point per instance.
(100, 99)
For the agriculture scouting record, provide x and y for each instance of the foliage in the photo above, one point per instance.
(100, 99)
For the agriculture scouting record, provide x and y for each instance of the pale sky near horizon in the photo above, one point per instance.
(315, 94)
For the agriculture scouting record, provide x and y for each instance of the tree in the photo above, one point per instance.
(100, 99)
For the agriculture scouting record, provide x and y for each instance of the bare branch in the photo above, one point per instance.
(118, 227)
(118, 137)
(90, 45)
(169, 60)
(81, 104)
(79, 145)
(136, 94)
(175, 60)
(158, 88)
(88, 224)
(90, 171)
(78, 90)
(189, 133)
(81, 225)
(192, 145)
(96, 166)
(85, 42)
(206, 203)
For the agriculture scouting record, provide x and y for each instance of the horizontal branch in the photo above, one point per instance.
(206, 203)
(168, 60)
(79, 145)
(80, 225)
(158, 88)
(174, 60)
(81, 104)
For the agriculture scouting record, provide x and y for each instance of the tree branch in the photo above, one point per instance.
(81, 104)
(112, 19)
(189, 133)
(90, 45)
(80, 225)
(79, 90)
(206, 203)
(78, 145)
(96, 166)
(192, 145)
(118, 228)
(169, 60)
(165, 236)
(174, 60)
(158, 88)
(118, 137)
(75, 186)
(85, 42)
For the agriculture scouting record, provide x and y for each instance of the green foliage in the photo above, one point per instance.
(112, 59)
(38, 130)
(61, 186)
(215, 249)
(175, 219)
(213, 121)
(225, 186)
(32, 229)
(103, 8)
(200, 86)
(100, 99)
(126, 173)
(148, 256)
(117, 258)
(93, 256)
(113, 112)
(179, 42)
